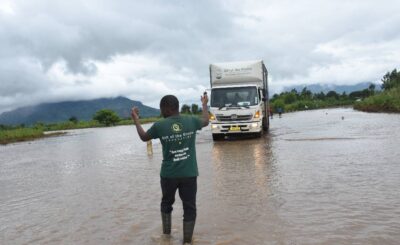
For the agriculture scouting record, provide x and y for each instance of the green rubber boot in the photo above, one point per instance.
(188, 227)
(166, 222)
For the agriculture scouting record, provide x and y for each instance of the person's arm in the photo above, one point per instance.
(205, 116)
(135, 117)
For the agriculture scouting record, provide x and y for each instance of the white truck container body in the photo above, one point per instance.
(239, 98)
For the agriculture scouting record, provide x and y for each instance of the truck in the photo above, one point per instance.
(239, 101)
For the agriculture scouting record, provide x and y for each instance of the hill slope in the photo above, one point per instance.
(316, 88)
(83, 110)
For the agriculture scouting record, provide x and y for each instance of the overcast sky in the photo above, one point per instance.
(68, 50)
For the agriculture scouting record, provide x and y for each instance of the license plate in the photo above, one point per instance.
(234, 128)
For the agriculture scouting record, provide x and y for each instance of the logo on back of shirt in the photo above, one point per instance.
(177, 127)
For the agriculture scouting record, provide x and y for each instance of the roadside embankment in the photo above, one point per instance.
(24, 134)
(18, 134)
(387, 101)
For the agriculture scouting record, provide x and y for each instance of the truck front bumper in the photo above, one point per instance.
(236, 127)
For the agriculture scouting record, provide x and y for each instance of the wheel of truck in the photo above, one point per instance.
(217, 137)
(265, 123)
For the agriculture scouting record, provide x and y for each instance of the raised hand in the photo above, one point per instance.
(204, 99)
(135, 113)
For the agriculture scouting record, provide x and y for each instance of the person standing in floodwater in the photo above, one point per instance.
(280, 111)
(179, 166)
(271, 113)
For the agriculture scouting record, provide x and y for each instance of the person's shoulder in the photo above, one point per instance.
(185, 116)
(189, 117)
(159, 122)
(192, 119)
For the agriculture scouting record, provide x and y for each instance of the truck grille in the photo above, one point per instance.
(242, 128)
(234, 117)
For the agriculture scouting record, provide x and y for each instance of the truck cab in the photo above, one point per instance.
(239, 99)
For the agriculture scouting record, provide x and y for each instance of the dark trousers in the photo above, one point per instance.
(187, 188)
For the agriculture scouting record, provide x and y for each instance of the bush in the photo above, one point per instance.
(387, 101)
(195, 109)
(279, 103)
(73, 119)
(185, 109)
(391, 80)
(106, 117)
(19, 134)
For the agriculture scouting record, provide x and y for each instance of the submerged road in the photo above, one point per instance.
(314, 179)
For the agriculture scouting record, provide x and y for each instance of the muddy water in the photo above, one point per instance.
(315, 179)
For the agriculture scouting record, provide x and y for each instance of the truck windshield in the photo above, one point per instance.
(232, 97)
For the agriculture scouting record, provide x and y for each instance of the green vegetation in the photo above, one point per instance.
(193, 109)
(71, 125)
(73, 119)
(106, 117)
(391, 80)
(306, 100)
(386, 101)
(10, 134)
(185, 109)
(14, 135)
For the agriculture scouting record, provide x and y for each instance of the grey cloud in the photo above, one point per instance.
(20, 75)
(76, 32)
(51, 31)
(185, 36)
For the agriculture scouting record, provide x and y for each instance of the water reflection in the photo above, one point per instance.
(242, 167)
(314, 179)
(244, 177)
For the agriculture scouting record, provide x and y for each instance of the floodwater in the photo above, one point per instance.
(314, 179)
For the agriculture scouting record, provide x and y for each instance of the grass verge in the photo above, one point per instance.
(23, 134)
(387, 101)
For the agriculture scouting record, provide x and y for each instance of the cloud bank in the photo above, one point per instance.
(70, 50)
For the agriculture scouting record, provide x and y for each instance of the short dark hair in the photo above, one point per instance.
(169, 102)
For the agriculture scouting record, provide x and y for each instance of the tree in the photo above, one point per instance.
(195, 109)
(366, 93)
(355, 95)
(391, 80)
(360, 94)
(294, 91)
(279, 103)
(290, 98)
(332, 94)
(343, 96)
(185, 109)
(106, 116)
(371, 89)
(320, 95)
(306, 94)
(73, 119)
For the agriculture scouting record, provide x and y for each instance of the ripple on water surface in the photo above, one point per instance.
(314, 179)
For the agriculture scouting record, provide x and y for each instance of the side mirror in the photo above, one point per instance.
(264, 99)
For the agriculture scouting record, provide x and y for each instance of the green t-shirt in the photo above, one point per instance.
(177, 135)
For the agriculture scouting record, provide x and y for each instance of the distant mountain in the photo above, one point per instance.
(316, 88)
(83, 110)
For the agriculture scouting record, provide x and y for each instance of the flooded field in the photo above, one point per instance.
(314, 179)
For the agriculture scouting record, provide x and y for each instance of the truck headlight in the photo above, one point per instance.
(211, 116)
(254, 125)
(257, 114)
(213, 126)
